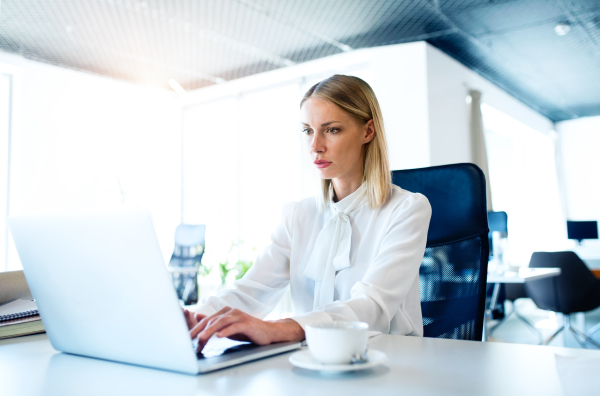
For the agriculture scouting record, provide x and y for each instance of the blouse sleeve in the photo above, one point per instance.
(376, 298)
(261, 288)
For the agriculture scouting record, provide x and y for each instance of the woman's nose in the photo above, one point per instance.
(317, 144)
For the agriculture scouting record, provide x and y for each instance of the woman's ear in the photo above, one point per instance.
(369, 131)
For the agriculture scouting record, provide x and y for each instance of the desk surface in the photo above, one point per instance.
(524, 275)
(416, 366)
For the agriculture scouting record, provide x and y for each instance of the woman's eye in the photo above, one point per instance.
(333, 130)
(306, 131)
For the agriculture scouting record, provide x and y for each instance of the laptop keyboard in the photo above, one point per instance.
(221, 346)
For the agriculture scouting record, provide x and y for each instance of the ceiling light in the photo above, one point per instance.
(562, 28)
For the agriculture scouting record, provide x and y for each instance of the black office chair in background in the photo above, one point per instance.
(576, 289)
(186, 261)
(454, 269)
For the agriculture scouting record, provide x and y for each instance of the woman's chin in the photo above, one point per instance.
(326, 175)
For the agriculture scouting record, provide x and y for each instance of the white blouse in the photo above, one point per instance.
(379, 284)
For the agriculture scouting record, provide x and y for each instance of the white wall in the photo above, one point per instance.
(580, 141)
(579, 144)
(76, 136)
(448, 83)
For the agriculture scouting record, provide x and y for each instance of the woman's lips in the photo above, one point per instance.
(322, 164)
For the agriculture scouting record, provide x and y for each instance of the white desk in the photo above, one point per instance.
(416, 366)
(524, 275)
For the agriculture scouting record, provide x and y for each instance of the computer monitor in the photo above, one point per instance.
(580, 230)
(497, 221)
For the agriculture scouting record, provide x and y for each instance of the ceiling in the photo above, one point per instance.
(202, 42)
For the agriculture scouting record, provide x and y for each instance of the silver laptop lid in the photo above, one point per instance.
(102, 288)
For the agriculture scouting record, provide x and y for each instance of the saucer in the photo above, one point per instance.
(304, 359)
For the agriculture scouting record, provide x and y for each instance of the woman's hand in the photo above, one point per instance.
(191, 318)
(237, 325)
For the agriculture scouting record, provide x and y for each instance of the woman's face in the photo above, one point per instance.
(335, 139)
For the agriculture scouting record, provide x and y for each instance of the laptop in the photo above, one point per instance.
(103, 291)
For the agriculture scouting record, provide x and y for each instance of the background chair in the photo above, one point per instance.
(186, 261)
(576, 289)
(454, 269)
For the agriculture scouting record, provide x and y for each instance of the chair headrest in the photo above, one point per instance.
(189, 235)
(456, 193)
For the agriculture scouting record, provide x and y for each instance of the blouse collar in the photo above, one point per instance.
(351, 202)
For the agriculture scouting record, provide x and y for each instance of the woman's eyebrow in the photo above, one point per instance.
(324, 124)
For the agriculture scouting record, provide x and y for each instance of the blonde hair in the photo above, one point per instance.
(357, 98)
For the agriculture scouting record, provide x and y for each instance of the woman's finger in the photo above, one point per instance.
(190, 319)
(206, 321)
(220, 323)
(235, 329)
(254, 331)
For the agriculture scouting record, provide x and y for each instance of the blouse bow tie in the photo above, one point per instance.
(332, 248)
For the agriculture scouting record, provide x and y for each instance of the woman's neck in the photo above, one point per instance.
(343, 188)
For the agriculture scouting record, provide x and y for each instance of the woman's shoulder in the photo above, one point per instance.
(299, 213)
(305, 206)
(402, 200)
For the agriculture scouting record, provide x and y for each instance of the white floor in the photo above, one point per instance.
(513, 330)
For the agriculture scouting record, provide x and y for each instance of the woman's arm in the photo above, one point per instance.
(377, 297)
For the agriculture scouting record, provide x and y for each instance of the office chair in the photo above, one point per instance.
(576, 289)
(453, 272)
(186, 261)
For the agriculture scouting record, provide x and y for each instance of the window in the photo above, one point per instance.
(524, 185)
(5, 110)
(242, 161)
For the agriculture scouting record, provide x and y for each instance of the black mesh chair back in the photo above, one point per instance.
(186, 261)
(576, 289)
(454, 269)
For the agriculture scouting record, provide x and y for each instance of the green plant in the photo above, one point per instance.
(203, 270)
(240, 266)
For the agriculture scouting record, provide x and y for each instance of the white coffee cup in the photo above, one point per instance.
(337, 342)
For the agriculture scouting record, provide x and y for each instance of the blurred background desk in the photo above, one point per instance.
(416, 366)
(522, 276)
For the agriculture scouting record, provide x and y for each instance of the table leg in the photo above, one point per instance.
(494, 300)
(493, 303)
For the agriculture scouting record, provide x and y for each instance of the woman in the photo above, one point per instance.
(352, 253)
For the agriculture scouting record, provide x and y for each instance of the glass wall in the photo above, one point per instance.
(83, 142)
(524, 185)
(5, 111)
